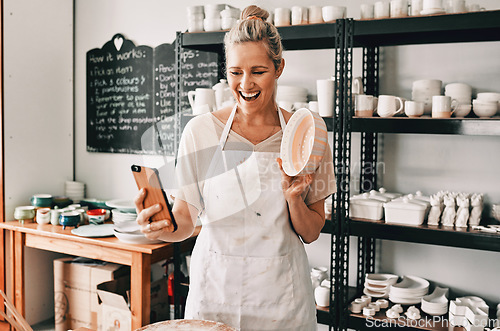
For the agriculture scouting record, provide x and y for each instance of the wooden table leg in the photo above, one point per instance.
(12, 267)
(19, 298)
(140, 289)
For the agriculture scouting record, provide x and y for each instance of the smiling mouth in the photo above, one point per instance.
(249, 96)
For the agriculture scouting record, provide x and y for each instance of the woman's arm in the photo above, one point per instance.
(307, 220)
(185, 215)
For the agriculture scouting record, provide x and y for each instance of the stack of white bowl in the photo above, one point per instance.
(126, 228)
(74, 190)
(291, 98)
(486, 104)
(437, 302)
(409, 291)
(229, 17)
(195, 16)
(462, 94)
(378, 285)
(212, 21)
(424, 89)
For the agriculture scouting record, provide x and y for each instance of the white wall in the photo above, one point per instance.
(38, 87)
(412, 162)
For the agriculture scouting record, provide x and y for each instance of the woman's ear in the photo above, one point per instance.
(280, 69)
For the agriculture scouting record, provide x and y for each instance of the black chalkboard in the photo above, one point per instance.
(131, 95)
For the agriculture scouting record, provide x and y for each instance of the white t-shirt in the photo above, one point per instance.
(198, 144)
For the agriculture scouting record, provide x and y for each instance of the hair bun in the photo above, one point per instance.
(254, 12)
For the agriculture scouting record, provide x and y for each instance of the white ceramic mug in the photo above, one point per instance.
(366, 11)
(299, 15)
(326, 91)
(424, 89)
(455, 6)
(381, 9)
(442, 106)
(282, 17)
(315, 14)
(432, 4)
(416, 7)
(43, 215)
(202, 100)
(364, 105)
(357, 85)
(332, 13)
(399, 8)
(389, 105)
(414, 108)
(313, 106)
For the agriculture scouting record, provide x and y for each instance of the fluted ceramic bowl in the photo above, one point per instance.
(304, 143)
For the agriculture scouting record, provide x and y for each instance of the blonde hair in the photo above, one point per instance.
(254, 27)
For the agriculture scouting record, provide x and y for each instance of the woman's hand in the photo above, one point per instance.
(152, 230)
(293, 187)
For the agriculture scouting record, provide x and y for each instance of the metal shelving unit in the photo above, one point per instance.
(370, 35)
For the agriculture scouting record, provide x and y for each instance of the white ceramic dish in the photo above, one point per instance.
(375, 294)
(127, 227)
(410, 285)
(122, 205)
(405, 211)
(366, 206)
(405, 300)
(381, 279)
(134, 238)
(94, 231)
(304, 143)
(433, 11)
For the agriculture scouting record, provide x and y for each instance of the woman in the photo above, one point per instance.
(248, 269)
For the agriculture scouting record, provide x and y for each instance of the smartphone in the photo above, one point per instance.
(148, 178)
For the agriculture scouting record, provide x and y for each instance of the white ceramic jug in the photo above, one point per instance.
(202, 100)
(223, 95)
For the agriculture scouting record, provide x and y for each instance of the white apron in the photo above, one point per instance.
(248, 268)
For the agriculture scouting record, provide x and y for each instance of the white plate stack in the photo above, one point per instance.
(74, 190)
(436, 304)
(291, 98)
(125, 227)
(378, 285)
(409, 291)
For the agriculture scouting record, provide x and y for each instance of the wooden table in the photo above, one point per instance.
(53, 238)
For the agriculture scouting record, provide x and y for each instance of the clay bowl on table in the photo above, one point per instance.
(304, 143)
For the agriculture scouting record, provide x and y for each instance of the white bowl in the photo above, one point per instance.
(134, 238)
(484, 108)
(304, 143)
(462, 110)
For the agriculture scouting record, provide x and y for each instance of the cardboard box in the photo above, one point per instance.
(75, 292)
(114, 298)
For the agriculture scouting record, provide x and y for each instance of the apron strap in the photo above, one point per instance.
(229, 123)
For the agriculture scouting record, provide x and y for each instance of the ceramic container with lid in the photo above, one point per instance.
(367, 206)
(405, 211)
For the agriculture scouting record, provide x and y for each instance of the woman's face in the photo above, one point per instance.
(251, 75)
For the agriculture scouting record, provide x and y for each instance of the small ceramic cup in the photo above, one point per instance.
(70, 218)
(54, 216)
(97, 216)
(381, 9)
(24, 213)
(366, 11)
(364, 105)
(41, 200)
(414, 108)
(43, 215)
(322, 296)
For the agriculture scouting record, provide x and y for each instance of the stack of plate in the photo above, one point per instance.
(378, 285)
(436, 303)
(125, 227)
(291, 93)
(409, 291)
(74, 190)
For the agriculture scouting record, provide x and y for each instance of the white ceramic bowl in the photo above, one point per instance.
(484, 108)
(134, 238)
(304, 143)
